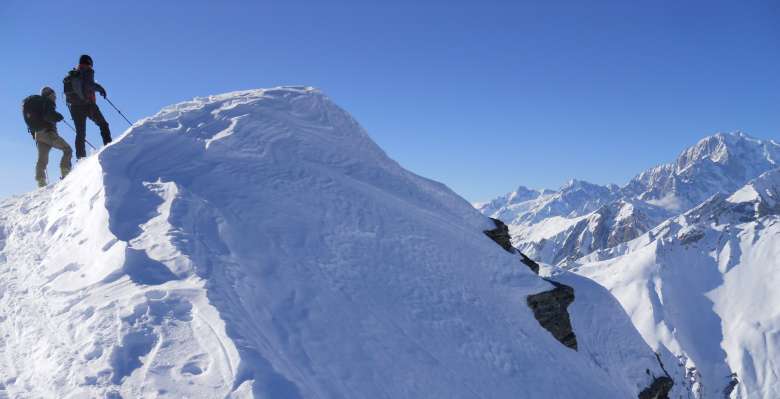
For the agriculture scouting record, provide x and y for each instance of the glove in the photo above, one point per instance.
(53, 117)
(103, 92)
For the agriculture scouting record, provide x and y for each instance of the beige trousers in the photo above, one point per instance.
(46, 140)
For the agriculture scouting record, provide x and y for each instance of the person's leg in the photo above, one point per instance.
(79, 116)
(97, 117)
(60, 144)
(43, 158)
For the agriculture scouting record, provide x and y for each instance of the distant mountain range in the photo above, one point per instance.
(691, 250)
(558, 227)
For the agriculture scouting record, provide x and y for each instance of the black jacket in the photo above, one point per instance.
(85, 93)
(50, 115)
(40, 113)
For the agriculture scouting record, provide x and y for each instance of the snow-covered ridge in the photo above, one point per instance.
(259, 244)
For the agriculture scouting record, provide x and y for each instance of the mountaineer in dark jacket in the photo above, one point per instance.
(41, 117)
(80, 88)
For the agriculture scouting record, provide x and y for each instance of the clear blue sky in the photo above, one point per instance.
(481, 95)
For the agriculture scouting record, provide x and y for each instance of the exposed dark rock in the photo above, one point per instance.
(659, 389)
(549, 307)
(550, 310)
(501, 236)
(529, 262)
(730, 387)
(690, 237)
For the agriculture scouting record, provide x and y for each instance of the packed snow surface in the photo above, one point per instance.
(259, 244)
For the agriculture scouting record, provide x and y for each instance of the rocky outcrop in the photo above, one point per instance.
(549, 307)
(550, 310)
(529, 262)
(730, 387)
(501, 236)
(659, 389)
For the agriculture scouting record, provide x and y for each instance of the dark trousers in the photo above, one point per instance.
(80, 113)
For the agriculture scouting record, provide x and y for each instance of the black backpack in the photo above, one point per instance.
(33, 109)
(72, 87)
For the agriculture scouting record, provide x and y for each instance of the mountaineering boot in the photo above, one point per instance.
(64, 172)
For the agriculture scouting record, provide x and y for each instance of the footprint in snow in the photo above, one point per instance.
(160, 307)
(196, 365)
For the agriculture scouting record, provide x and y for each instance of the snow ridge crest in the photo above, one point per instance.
(260, 244)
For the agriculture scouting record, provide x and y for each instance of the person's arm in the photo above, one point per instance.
(100, 89)
(90, 80)
(51, 114)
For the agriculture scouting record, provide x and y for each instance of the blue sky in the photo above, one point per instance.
(482, 96)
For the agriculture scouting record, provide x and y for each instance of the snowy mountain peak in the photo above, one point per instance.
(719, 163)
(575, 184)
(523, 194)
(722, 148)
(259, 244)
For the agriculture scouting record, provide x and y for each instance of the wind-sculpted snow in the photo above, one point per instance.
(259, 244)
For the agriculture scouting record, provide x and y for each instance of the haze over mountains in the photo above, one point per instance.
(689, 248)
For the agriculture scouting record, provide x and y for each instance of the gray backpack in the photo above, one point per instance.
(73, 87)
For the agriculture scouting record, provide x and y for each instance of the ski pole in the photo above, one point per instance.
(120, 112)
(74, 131)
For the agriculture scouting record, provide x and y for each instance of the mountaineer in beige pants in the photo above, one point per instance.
(46, 140)
(41, 117)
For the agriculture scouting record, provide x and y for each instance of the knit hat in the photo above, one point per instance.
(85, 59)
(47, 91)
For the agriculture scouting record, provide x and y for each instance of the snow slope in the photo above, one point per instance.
(561, 226)
(704, 285)
(259, 244)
